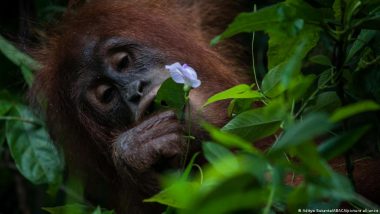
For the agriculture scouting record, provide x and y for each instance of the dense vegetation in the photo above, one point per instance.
(315, 93)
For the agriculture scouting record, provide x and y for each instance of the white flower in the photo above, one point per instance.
(183, 74)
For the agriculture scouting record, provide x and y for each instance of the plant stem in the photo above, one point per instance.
(270, 200)
(253, 56)
(25, 120)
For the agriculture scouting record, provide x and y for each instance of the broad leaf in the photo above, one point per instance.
(272, 16)
(341, 143)
(364, 37)
(254, 124)
(30, 146)
(172, 94)
(173, 196)
(288, 57)
(219, 156)
(230, 140)
(25, 62)
(68, 209)
(353, 109)
(303, 131)
(321, 59)
(242, 91)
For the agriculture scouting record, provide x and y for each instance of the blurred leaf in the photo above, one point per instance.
(321, 59)
(27, 74)
(353, 109)
(325, 102)
(352, 7)
(271, 83)
(297, 198)
(218, 155)
(71, 209)
(22, 60)
(371, 23)
(308, 154)
(238, 106)
(229, 140)
(99, 210)
(30, 146)
(5, 106)
(340, 187)
(364, 37)
(325, 77)
(173, 196)
(186, 173)
(2, 135)
(235, 193)
(239, 91)
(254, 124)
(341, 143)
(303, 131)
(299, 86)
(337, 7)
(172, 94)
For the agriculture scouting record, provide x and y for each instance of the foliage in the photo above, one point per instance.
(311, 93)
(321, 85)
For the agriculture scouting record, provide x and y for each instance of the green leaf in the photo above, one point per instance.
(352, 7)
(172, 94)
(325, 77)
(321, 59)
(285, 57)
(216, 153)
(254, 124)
(310, 158)
(69, 209)
(370, 23)
(173, 196)
(353, 109)
(337, 7)
(27, 74)
(231, 195)
(364, 37)
(297, 50)
(268, 17)
(5, 106)
(325, 102)
(303, 131)
(236, 92)
(97, 210)
(341, 143)
(290, 49)
(229, 140)
(20, 59)
(2, 136)
(30, 146)
(271, 84)
(186, 173)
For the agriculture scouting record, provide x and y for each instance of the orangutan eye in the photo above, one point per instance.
(105, 94)
(120, 61)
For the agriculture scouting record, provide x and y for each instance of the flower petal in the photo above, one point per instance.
(189, 72)
(195, 83)
(177, 76)
(183, 74)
